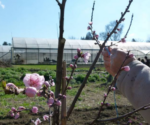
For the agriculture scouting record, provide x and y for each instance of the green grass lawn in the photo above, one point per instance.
(53, 67)
(44, 67)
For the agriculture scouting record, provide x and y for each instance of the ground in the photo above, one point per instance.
(85, 111)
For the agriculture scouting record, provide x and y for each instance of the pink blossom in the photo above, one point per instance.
(78, 50)
(17, 115)
(88, 28)
(21, 108)
(11, 85)
(37, 122)
(45, 117)
(30, 91)
(90, 23)
(102, 103)
(33, 80)
(69, 87)
(126, 68)
(58, 103)
(86, 57)
(50, 101)
(13, 109)
(47, 84)
(75, 57)
(35, 110)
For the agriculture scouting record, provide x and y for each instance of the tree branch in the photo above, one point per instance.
(129, 26)
(126, 115)
(58, 3)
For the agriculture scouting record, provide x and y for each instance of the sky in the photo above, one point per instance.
(40, 18)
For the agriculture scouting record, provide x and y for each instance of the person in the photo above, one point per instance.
(147, 61)
(143, 61)
(134, 84)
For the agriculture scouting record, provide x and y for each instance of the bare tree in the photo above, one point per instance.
(108, 29)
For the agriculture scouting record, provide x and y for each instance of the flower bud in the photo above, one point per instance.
(123, 40)
(125, 68)
(66, 78)
(52, 94)
(35, 110)
(21, 108)
(13, 109)
(93, 32)
(113, 88)
(90, 23)
(105, 95)
(17, 115)
(75, 57)
(88, 28)
(52, 84)
(64, 96)
(30, 91)
(46, 83)
(118, 29)
(58, 103)
(78, 50)
(45, 117)
(50, 101)
(69, 87)
(71, 65)
(131, 55)
(123, 19)
(12, 114)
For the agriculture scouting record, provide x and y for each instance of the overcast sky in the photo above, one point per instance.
(39, 18)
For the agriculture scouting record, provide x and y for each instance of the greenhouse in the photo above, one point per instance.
(5, 53)
(44, 51)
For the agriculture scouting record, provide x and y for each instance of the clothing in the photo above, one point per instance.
(135, 86)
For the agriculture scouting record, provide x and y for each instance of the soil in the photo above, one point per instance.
(81, 117)
(85, 111)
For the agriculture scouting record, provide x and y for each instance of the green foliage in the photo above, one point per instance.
(91, 79)
(80, 78)
(46, 74)
(103, 80)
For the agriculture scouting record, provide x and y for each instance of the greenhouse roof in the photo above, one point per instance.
(74, 44)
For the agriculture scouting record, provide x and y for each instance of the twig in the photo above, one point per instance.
(129, 26)
(58, 3)
(92, 66)
(126, 115)
(92, 11)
